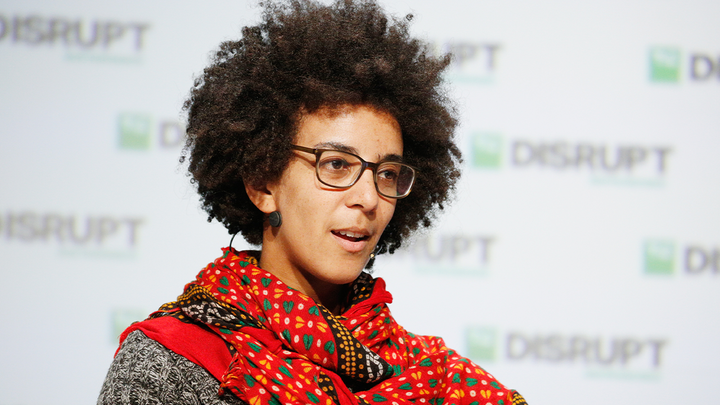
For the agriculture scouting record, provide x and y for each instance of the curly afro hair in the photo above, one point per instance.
(243, 111)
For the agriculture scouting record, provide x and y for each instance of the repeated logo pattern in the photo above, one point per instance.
(289, 349)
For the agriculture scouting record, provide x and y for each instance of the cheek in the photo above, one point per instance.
(388, 210)
(296, 191)
(309, 205)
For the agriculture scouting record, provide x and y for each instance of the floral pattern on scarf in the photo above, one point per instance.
(288, 349)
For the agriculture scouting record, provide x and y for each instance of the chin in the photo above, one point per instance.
(350, 271)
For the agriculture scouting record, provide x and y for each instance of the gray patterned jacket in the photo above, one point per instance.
(145, 372)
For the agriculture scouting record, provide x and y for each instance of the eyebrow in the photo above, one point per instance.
(391, 157)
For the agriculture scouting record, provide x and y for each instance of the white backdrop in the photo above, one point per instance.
(579, 263)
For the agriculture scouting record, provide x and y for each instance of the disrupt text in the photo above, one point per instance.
(31, 226)
(78, 33)
(556, 348)
(561, 155)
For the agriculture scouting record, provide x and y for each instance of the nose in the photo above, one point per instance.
(363, 193)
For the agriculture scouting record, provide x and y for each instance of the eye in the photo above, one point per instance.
(332, 164)
(388, 174)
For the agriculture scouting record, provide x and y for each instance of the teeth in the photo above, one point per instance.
(351, 234)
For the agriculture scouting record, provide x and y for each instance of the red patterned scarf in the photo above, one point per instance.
(284, 348)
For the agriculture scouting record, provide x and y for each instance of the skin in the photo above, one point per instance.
(307, 252)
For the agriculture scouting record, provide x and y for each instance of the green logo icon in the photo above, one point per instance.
(659, 257)
(481, 343)
(487, 150)
(665, 64)
(134, 131)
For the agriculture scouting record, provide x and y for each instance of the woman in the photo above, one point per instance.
(322, 135)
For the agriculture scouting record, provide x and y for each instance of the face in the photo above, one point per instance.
(327, 234)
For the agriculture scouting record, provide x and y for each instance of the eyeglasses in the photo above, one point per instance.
(340, 169)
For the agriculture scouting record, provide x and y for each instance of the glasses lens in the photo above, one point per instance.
(338, 169)
(394, 179)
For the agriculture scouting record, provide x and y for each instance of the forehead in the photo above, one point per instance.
(370, 133)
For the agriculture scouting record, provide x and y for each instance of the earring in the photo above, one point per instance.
(231, 239)
(275, 219)
(371, 259)
(376, 251)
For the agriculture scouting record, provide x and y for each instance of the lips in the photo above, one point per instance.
(351, 236)
(352, 241)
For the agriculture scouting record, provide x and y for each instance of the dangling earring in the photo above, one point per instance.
(371, 259)
(375, 252)
(275, 219)
(231, 239)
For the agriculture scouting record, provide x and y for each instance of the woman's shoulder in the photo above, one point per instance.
(146, 372)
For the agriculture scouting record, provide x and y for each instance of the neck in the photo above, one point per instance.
(329, 295)
(332, 298)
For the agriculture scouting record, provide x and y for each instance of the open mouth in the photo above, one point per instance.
(350, 236)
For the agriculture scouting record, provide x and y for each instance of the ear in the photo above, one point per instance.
(262, 197)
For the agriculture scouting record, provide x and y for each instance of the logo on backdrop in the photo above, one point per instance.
(461, 254)
(473, 62)
(631, 163)
(82, 39)
(668, 65)
(664, 257)
(140, 131)
(599, 355)
(101, 234)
